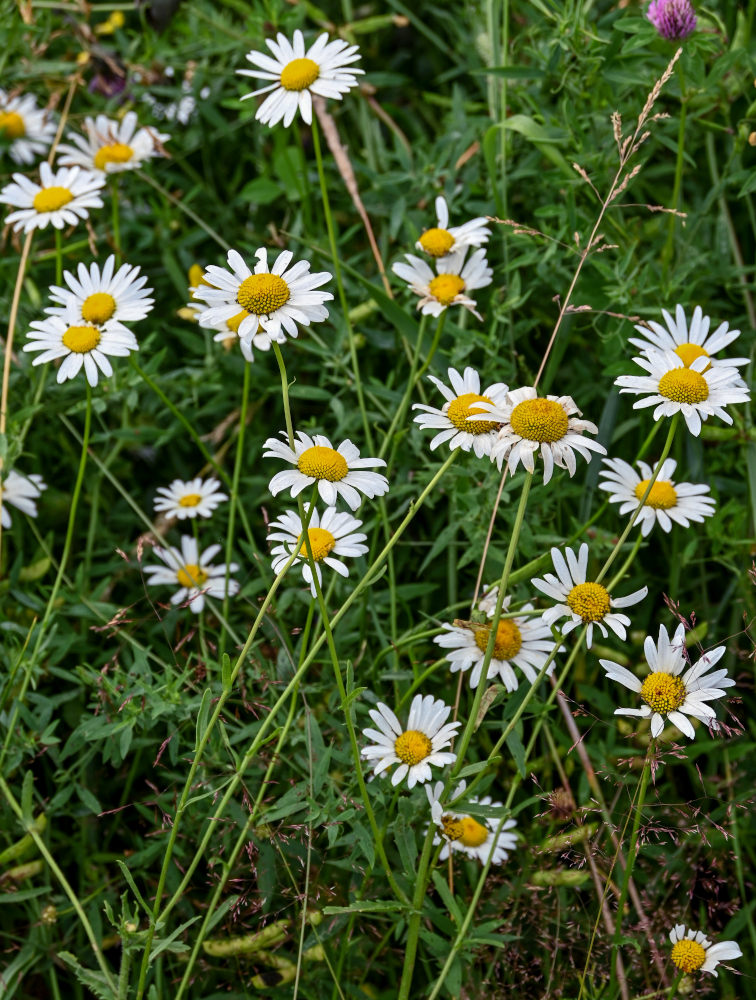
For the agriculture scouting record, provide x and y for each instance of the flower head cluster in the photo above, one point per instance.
(673, 19)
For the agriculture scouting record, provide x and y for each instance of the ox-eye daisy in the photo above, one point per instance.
(297, 73)
(456, 277)
(698, 391)
(337, 471)
(442, 239)
(692, 950)
(21, 492)
(333, 534)
(667, 693)
(29, 130)
(195, 498)
(103, 296)
(458, 420)
(110, 147)
(193, 573)
(62, 198)
(581, 602)
(688, 343)
(464, 833)
(414, 748)
(667, 502)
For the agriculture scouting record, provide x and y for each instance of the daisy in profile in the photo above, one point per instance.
(441, 240)
(667, 502)
(62, 198)
(103, 296)
(333, 534)
(551, 425)
(79, 344)
(267, 304)
(688, 341)
(698, 390)
(21, 492)
(581, 602)
(416, 748)
(462, 833)
(449, 287)
(27, 129)
(296, 73)
(337, 471)
(459, 420)
(193, 574)
(110, 147)
(195, 498)
(692, 950)
(669, 693)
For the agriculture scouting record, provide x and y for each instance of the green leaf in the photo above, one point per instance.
(366, 906)
(517, 749)
(202, 716)
(94, 981)
(132, 885)
(27, 797)
(226, 671)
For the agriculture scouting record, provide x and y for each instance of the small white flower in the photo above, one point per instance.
(456, 277)
(110, 147)
(688, 343)
(62, 198)
(27, 128)
(415, 748)
(103, 296)
(195, 498)
(667, 502)
(442, 239)
(192, 573)
(457, 420)
(581, 602)
(692, 950)
(333, 534)
(665, 692)
(337, 471)
(298, 73)
(21, 492)
(463, 833)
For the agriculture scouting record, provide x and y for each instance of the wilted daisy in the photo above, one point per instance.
(193, 573)
(21, 492)
(79, 344)
(298, 73)
(689, 343)
(333, 534)
(464, 833)
(62, 198)
(29, 130)
(692, 950)
(455, 278)
(668, 694)
(415, 748)
(103, 296)
(697, 391)
(441, 239)
(266, 304)
(458, 420)
(667, 502)
(110, 147)
(337, 471)
(583, 602)
(195, 498)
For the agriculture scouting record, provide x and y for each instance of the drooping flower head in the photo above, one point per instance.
(193, 573)
(442, 239)
(692, 950)
(27, 129)
(62, 198)
(469, 419)
(450, 286)
(673, 19)
(465, 834)
(110, 147)
(21, 492)
(195, 498)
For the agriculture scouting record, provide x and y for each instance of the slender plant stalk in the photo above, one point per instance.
(115, 219)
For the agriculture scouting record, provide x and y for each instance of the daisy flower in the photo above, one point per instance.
(79, 344)
(337, 471)
(297, 73)
(698, 391)
(28, 129)
(473, 837)
(456, 422)
(550, 425)
(333, 534)
(520, 642)
(456, 276)
(665, 692)
(110, 147)
(667, 502)
(192, 573)
(415, 748)
(195, 498)
(266, 304)
(442, 240)
(103, 296)
(62, 198)
(688, 342)
(21, 492)
(692, 950)
(581, 602)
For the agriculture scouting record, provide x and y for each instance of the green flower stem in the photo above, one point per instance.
(58, 257)
(116, 219)
(413, 930)
(626, 564)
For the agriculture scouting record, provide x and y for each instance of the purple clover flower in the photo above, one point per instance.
(673, 19)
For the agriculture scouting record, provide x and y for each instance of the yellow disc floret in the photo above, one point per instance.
(191, 575)
(262, 294)
(81, 339)
(412, 747)
(12, 125)
(190, 500)
(236, 321)
(51, 199)
(663, 692)
(463, 407)
(662, 496)
(446, 287)
(114, 152)
(464, 829)
(683, 385)
(688, 353)
(688, 955)
(299, 74)
(539, 420)
(98, 307)
(322, 543)
(590, 601)
(508, 639)
(323, 463)
(436, 242)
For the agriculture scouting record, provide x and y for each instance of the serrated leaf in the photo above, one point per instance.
(94, 981)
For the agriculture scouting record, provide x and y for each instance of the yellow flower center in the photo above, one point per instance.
(662, 496)
(115, 152)
(190, 500)
(508, 639)
(12, 125)
(688, 353)
(663, 692)
(191, 576)
(446, 287)
(299, 74)
(51, 199)
(323, 463)
(98, 307)
(463, 407)
(236, 321)
(437, 242)
(539, 420)
(412, 747)
(322, 543)
(682, 385)
(688, 955)
(81, 339)
(465, 829)
(262, 294)
(590, 601)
